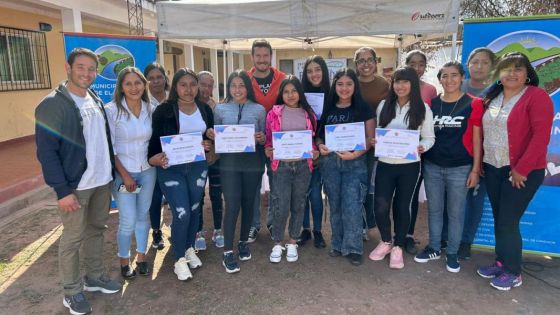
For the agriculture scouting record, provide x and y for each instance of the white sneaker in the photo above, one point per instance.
(276, 254)
(194, 261)
(291, 252)
(182, 269)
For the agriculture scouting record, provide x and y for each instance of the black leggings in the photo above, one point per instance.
(508, 205)
(215, 190)
(399, 180)
(239, 188)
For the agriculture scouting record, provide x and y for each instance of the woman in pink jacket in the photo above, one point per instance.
(291, 176)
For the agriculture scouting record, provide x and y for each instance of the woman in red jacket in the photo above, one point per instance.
(516, 127)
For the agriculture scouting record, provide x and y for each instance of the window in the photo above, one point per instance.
(23, 60)
(287, 66)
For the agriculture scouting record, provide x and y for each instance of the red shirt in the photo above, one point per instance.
(270, 98)
(528, 126)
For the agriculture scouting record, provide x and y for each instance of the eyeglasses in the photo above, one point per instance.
(369, 61)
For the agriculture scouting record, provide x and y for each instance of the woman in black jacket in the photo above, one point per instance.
(182, 184)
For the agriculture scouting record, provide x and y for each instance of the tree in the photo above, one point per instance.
(499, 8)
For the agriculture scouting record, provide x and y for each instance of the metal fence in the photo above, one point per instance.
(23, 60)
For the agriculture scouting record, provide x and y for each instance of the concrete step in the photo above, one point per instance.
(27, 199)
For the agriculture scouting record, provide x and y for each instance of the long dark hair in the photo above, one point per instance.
(417, 111)
(333, 98)
(173, 96)
(515, 59)
(292, 79)
(118, 94)
(240, 73)
(325, 85)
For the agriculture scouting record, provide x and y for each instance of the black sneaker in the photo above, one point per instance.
(355, 259)
(334, 253)
(410, 245)
(244, 252)
(77, 304)
(127, 272)
(443, 245)
(318, 240)
(230, 263)
(157, 240)
(464, 252)
(253, 232)
(103, 284)
(143, 268)
(427, 254)
(304, 237)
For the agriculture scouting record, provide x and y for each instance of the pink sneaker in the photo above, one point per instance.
(396, 261)
(380, 251)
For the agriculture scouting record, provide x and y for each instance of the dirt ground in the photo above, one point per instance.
(316, 284)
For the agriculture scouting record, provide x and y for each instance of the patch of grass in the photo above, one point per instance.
(3, 264)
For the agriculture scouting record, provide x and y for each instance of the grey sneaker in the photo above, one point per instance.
(103, 284)
(77, 304)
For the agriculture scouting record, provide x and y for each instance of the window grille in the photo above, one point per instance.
(23, 60)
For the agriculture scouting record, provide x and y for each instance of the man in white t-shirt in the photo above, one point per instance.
(75, 151)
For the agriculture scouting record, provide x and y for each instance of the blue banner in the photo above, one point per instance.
(539, 40)
(115, 52)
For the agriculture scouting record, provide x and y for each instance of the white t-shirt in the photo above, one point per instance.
(192, 122)
(98, 171)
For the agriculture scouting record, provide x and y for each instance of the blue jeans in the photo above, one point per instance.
(442, 182)
(473, 210)
(345, 185)
(183, 185)
(315, 198)
(133, 212)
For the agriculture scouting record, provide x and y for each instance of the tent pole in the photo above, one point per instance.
(225, 69)
(161, 56)
(214, 70)
(230, 61)
(454, 47)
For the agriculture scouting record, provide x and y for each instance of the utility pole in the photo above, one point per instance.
(135, 19)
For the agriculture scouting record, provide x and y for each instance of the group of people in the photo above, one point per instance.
(484, 134)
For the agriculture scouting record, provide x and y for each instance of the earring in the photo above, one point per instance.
(499, 82)
(528, 80)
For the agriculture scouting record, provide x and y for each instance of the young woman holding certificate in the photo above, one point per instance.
(517, 124)
(452, 166)
(182, 184)
(315, 82)
(130, 120)
(345, 172)
(399, 177)
(240, 172)
(291, 175)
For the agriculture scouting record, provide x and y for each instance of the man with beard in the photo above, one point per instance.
(266, 81)
(76, 155)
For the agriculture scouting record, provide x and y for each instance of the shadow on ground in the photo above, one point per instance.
(316, 284)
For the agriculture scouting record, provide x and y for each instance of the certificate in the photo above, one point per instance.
(316, 101)
(397, 143)
(234, 138)
(292, 145)
(345, 137)
(183, 148)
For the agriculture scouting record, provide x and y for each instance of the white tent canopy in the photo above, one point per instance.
(292, 24)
